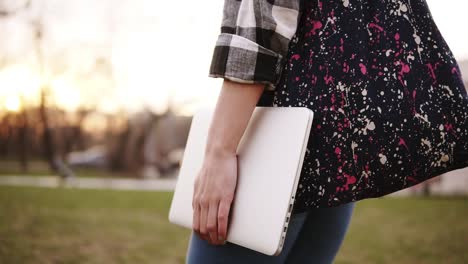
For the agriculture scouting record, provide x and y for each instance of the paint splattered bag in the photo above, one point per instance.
(391, 109)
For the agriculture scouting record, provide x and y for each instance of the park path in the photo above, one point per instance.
(165, 184)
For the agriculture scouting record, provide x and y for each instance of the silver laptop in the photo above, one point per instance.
(270, 157)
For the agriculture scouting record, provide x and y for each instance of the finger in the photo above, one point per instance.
(223, 217)
(196, 217)
(212, 222)
(196, 208)
(203, 215)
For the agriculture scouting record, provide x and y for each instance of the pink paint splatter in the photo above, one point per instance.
(311, 57)
(448, 126)
(314, 79)
(316, 25)
(376, 18)
(411, 179)
(455, 71)
(349, 180)
(366, 167)
(404, 68)
(402, 142)
(345, 67)
(337, 151)
(295, 57)
(431, 71)
(363, 68)
(346, 121)
(328, 79)
(373, 25)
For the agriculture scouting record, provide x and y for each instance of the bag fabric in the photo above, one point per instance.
(391, 109)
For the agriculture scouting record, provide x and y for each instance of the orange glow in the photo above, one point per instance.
(18, 85)
(12, 104)
(66, 94)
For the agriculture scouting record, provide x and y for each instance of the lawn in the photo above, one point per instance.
(41, 225)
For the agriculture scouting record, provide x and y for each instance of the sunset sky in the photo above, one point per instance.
(156, 49)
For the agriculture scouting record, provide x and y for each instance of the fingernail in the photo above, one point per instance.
(222, 240)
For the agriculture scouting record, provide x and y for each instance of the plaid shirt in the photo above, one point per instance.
(254, 40)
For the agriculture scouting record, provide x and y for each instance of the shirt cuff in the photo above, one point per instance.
(241, 60)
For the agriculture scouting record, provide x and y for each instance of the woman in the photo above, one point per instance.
(391, 111)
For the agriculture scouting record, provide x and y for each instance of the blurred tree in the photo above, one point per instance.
(23, 138)
(7, 10)
(56, 162)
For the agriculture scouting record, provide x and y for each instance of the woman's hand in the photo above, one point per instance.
(213, 194)
(216, 181)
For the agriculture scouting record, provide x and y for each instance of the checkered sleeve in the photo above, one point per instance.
(254, 40)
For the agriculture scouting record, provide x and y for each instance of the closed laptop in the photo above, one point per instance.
(270, 156)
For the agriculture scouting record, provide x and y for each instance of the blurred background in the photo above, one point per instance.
(96, 100)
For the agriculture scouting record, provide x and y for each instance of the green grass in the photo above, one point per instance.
(87, 226)
(13, 167)
(40, 225)
(408, 230)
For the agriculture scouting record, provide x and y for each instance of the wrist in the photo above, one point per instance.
(216, 150)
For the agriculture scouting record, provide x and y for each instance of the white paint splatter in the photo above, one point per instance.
(448, 89)
(403, 7)
(410, 57)
(444, 158)
(424, 118)
(383, 158)
(353, 145)
(417, 39)
(426, 142)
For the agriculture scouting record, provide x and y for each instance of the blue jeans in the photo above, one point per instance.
(314, 237)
